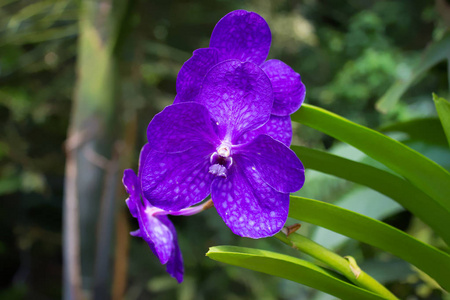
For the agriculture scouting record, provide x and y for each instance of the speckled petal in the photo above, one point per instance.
(242, 35)
(238, 96)
(175, 264)
(288, 89)
(249, 206)
(279, 128)
(190, 77)
(173, 181)
(179, 127)
(154, 231)
(275, 163)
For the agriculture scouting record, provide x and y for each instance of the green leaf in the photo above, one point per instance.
(443, 109)
(346, 266)
(419, 170)
(398, 189)
(291, 268)
(428, 130)
(361, 200)
(373, 232)
(434, 54)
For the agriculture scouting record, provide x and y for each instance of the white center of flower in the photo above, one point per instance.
(221, 160)
(224, 150)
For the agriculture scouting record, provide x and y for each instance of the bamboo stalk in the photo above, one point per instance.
(71, 237)
(92, 131)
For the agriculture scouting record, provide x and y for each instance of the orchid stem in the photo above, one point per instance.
(347, 266)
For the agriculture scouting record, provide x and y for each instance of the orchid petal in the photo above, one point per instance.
(190, 77)
(180, 127)
(279, 128)
(173, 181)
(131, 183)
(275, 163)
(155, 231)
(238, 96)
(175, 264)
(248, 205)
(132, 207)
(142, 156)
(288, 89)
(242, 35)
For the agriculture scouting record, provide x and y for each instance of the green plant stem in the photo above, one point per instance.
(347, 267)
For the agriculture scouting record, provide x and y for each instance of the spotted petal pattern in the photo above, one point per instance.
(180, 127)
(157, 235)
(279, 128)
(288, 89)
(238, 96)
(275, 164)
(242, 35)
(247, 204)
(190, 77)
(173, 181)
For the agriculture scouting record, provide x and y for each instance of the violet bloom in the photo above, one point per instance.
(245, 36)
(197, 151)
(154, 226)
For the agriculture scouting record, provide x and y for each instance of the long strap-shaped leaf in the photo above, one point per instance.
(291, 268)
(373, 232)
(421, 171)
(400, 190)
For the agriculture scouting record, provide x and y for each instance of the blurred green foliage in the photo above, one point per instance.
(348, 53)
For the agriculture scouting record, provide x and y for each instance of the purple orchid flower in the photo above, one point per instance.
(246, 36)
(154, 226)
(198, 149)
